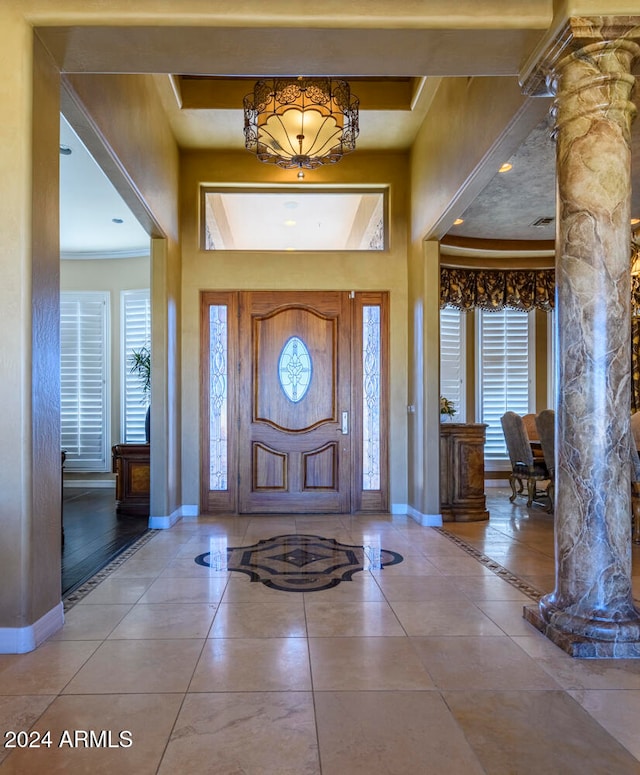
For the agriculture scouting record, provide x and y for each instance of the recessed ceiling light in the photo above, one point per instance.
(117, 220)
(458, 221)
(289, 223)
(65, 150)
(505, 167)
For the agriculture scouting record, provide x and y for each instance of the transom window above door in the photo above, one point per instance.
(294, 219)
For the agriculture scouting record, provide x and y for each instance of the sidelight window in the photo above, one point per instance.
(218, 397)
(371, 378)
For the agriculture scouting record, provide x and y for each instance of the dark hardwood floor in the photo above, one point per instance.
(93, 534)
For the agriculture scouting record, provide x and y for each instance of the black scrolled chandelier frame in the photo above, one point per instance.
(301, 123)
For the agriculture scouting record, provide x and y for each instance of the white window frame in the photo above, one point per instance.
(500, 459)
(456, 394)
(133, 335)
(81, 454)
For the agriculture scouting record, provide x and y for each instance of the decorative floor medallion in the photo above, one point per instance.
(300, 563)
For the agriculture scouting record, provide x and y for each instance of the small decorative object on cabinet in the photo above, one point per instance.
(131, 467)
(140, 364)
(462, 496)
(447, 409)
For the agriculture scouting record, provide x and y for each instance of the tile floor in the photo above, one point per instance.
(423, 667)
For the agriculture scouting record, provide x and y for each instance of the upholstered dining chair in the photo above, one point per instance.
(523, 466)
(545, 424)
(529, 421)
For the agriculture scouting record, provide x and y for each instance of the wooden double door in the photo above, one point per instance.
(294, 376)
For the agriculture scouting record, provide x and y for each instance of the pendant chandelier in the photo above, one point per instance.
(300, 123)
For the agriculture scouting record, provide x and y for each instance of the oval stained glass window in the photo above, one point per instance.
(294, 369)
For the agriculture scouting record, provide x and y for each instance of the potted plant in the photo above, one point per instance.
(447, 409)
(140, 364)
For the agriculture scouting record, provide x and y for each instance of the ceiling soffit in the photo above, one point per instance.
(407, 53)
(250, 51)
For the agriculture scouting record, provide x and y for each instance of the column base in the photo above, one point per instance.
(581, 646)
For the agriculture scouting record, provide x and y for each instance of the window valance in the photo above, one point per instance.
(493, 289)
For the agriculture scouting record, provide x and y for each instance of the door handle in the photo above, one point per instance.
(345, 423)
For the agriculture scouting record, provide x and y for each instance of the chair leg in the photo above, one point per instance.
(512, 482)
(531, 491)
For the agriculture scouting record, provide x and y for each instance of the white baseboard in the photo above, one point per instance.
(426, 520)
(163, 523)
(82, 484)
(20, 640)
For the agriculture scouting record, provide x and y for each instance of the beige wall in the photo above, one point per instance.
(310, 271)
(115, 276)
(43, 565)
(543, 324)
(29, 389)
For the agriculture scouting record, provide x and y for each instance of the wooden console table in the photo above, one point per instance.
(130, 464)
(462, 496)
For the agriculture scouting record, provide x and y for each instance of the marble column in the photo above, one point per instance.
(591, 613)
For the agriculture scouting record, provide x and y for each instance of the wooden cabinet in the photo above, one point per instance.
(132, 470)
(462, 496)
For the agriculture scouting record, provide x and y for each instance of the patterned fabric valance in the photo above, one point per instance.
(493, 289)
(497, 288)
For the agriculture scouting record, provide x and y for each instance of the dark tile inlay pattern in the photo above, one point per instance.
(504, 573)
(300, 563)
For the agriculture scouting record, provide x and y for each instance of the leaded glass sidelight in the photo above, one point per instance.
(294, 369)
(218, 379)
(371, 397)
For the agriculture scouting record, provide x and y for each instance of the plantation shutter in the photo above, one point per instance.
(84, 318)
(136, 333)
(452, 359)
(504, 372)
